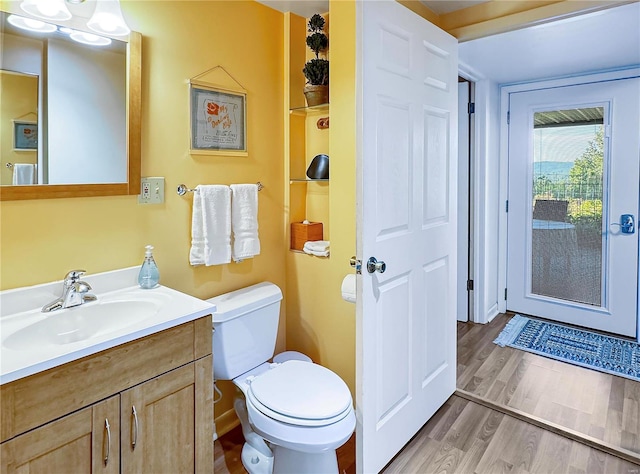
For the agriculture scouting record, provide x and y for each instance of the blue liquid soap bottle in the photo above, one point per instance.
(149, 275)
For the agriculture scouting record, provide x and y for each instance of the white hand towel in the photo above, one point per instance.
(317, 245)
(244, 221)
(319, 248)
(23, 173)
(211, 226)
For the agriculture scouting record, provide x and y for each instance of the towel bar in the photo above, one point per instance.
(182, 189)
(9, 165)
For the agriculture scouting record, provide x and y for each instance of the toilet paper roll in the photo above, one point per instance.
(349, 288)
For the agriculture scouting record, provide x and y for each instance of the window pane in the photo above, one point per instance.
(568, 170)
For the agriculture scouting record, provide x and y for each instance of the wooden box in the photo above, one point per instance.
(301, 233)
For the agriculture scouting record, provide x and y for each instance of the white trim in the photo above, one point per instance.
(359, 255)
(488, 299)
(573, 80)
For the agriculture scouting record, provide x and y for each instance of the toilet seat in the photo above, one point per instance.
(300, 393)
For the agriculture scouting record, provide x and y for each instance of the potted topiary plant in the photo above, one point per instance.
(317, 70)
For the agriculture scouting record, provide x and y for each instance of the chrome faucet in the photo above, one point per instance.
(74, 292)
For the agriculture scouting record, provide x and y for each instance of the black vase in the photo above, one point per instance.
(319, 167)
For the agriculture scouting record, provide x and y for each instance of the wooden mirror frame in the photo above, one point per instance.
(134, 152)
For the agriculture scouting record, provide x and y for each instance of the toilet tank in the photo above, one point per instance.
(245, 329)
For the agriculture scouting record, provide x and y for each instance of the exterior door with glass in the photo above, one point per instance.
(574, 155)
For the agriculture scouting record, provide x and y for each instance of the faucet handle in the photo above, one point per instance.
(74, 275)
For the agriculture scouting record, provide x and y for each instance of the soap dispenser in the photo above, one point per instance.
(149, 275)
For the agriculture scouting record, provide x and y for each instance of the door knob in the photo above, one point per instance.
(627, 226)
(374, 266)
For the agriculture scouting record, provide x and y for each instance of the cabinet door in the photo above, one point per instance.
(163, 421)
(85, 441)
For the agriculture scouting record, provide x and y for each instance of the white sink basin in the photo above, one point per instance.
(32, 341)
(82, 322)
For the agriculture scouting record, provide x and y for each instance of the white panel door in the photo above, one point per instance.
(574, 170)
(407, 218)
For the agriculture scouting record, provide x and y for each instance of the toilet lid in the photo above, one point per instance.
(301, 393)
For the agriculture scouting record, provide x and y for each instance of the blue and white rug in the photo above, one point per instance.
(575, 346)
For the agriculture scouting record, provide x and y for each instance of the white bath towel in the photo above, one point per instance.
(244, 221)
(24, 173)
(211, 226)
(319, 248)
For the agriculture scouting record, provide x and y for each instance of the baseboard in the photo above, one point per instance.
(226, 422)
(587, 440)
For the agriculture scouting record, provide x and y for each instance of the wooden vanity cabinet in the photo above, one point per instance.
(159, 421)
(85, 441)
(159, 410)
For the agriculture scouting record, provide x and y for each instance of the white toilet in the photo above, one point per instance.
(302, 410)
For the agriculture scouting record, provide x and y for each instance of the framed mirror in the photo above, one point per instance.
(70, 116)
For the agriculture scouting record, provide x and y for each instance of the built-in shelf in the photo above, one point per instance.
(307, 180)
(306, 110)
(305, 253)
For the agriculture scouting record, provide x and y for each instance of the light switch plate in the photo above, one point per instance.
(151, 191)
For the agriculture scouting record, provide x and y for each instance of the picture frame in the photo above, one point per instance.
(25, 135)
(218, 120)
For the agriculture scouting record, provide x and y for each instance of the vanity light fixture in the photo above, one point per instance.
(107, 18)
(30, 24)
(47, 9)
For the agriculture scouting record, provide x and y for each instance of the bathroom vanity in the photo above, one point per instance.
(144, 405)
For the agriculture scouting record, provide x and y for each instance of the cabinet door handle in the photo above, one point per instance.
(107, 428)
(134, 439)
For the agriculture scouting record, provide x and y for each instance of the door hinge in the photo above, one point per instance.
(508, 117)
(505, 294)
(471, 108)
(469, 285)
(506, 206)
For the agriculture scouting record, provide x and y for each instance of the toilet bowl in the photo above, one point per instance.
(294, 413)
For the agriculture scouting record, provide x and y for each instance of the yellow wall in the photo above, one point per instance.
(319, 322)
(19, 101)
(41, 240)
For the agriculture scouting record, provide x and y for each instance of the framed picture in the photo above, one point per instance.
(218, 120)
(25, 135)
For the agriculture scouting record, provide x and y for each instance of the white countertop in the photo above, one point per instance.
(21, 307)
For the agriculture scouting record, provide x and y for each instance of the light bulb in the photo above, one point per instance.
(107, 19)
(47, 9)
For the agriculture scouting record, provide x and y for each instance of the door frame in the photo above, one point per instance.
(504, 152)
(465, 232)
(486, 259)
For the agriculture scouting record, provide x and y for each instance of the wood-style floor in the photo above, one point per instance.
(597, 405)
(469, 437)
(464, 437)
